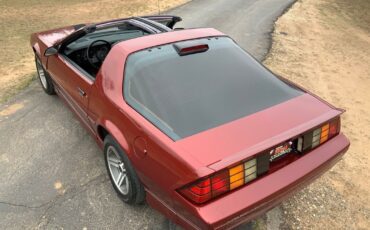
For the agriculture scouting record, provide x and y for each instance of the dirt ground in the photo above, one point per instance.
(324, 45)
(19, 18)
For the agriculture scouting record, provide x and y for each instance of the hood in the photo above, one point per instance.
(51, 37)
(237, 140)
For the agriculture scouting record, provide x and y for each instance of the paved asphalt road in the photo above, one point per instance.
(52, 172)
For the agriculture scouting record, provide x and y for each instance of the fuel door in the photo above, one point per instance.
(140, 147)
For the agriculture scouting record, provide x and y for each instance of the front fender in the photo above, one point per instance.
(36, 49)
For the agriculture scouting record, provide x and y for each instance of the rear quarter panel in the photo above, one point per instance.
(161, 168)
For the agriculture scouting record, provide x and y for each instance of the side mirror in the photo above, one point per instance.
(50, 51)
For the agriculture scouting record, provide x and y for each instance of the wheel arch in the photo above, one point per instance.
(102, 132)
(36, 49)
(109, 128)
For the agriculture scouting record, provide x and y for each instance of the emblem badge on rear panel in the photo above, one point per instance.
(280, 151)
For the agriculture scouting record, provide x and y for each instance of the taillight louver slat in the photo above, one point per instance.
(243, 173)
(316, 137)
(324, 133)
(320, 135)
(223, 181)
(263, 163)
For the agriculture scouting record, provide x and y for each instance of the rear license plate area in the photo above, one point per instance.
(280, 151)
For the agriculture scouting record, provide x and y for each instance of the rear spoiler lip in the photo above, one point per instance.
(309, 92)
(175, 19)
(260, 147)
(154, 24)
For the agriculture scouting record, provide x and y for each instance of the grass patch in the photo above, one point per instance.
(354, 12)
(19, 18)
(358, 11)
(259, 224)
(22, 84)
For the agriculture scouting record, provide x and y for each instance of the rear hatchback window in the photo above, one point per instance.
(185, 95)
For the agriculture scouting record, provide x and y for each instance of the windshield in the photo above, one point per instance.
(185, 95)
(112, 34)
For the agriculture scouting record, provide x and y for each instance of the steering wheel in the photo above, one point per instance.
(96, 57)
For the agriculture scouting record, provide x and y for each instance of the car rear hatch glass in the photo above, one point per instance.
(185, 95)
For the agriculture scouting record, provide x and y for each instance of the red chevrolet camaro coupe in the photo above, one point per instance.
(189, 121)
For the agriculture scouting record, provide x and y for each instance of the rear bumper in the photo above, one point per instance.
(251, 201)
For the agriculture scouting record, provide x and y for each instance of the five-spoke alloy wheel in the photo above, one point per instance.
(45, 80)
(117, 170)
(122, 174)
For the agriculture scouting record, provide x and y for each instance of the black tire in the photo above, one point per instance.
(136, 192)
(170, 225)
(44, 78)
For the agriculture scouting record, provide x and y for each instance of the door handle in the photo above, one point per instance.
(81, 92)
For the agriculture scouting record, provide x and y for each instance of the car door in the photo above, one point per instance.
(73, 85)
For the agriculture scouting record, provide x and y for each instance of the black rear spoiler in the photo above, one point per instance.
(167, 20)
(163, 23)
(154, 20)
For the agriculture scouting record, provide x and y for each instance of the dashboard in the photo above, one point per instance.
(112, 37)
(77, 50)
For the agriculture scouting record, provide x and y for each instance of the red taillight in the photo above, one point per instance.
(193, 49)
(318, 136)
(199, 192)
(220, 183)
(334, 127)
(223, 181)
(190, 47)
(243, 173)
